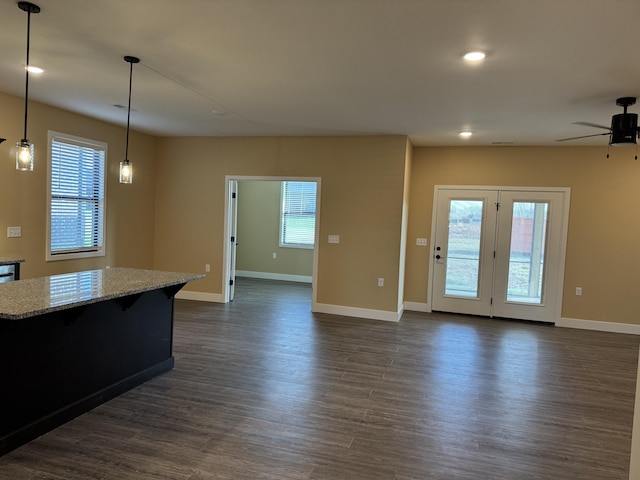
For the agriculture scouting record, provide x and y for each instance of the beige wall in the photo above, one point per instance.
(259, 233)
(604, 227)
(361, 200)
(23, 195)
(172, 217)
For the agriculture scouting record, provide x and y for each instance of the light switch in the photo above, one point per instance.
(421, 242)
(334, 238)
(14, 232)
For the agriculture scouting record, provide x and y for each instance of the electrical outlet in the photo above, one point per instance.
(275, 255)
(579, 291)
(381, 282)
(207, 267)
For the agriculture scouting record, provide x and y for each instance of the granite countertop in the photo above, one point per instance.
(10, 260)
(36, 296)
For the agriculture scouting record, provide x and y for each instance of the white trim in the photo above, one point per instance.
(78, 253)
(417, 307)
(566, 191)
(599, 326)
(200, 296)
(226, 234)
(357, 312)
(275, 276)
(502, 188)
(225, 241)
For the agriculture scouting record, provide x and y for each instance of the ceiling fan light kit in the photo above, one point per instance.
(624, 126)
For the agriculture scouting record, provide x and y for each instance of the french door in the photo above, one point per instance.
(499, 252)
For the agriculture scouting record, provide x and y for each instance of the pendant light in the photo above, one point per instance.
(24, 148)
(126, 169)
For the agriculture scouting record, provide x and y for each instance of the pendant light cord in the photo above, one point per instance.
(26, 89)
(126, 149)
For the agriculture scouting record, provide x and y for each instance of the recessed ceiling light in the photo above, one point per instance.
(33, 69)
(475, 56)
(465, 134)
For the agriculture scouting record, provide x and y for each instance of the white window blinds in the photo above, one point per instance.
(298, 214)
(76, 182)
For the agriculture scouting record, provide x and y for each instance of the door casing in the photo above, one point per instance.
(561, 254)
(227, 250)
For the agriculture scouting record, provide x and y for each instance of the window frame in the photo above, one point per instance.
(79, 252)
(282, 213)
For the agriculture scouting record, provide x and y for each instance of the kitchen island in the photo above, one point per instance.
(73, 341)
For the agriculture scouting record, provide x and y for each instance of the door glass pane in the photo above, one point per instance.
(463, 248)
(526, 258)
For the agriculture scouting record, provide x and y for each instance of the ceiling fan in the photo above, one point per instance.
(624, 126)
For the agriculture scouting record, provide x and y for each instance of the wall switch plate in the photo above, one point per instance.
(421, 242)
(14, 232)
(381, 282)
(207, 267)
(275, 255)
(579, 291)
(334, 238)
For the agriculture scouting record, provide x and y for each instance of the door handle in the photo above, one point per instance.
(437, 257)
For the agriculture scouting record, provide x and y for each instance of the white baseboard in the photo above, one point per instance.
(416, 307)
(200, 296)
(599, 326)
(274, 276)
(357, 312)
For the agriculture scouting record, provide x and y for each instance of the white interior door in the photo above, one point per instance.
(499, 252)
(233, 230)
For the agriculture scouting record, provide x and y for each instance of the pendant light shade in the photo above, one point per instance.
(24, 149)
(126, 168)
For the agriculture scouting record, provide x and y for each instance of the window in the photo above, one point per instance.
(298, 214)
(76, 195)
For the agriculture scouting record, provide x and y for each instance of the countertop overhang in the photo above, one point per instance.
(10, 260)
(37, 296)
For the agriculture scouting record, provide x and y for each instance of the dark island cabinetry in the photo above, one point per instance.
(71, 342)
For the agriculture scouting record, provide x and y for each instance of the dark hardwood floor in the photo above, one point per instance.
(264, 389)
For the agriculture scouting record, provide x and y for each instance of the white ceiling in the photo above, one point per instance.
(334, 67)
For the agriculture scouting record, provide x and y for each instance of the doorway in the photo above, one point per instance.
(499, 251)
(234, 246)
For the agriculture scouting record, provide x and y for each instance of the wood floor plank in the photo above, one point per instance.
(264, 389)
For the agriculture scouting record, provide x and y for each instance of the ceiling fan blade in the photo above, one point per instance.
(584, 136)
(589, 124)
